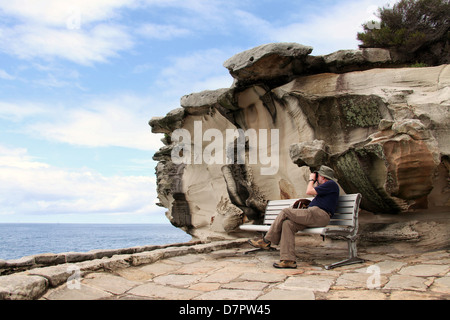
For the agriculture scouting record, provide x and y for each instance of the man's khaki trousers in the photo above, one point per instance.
(289, 222)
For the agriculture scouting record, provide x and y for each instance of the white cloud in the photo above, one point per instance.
(120, 121)
(32, 188)
(58, 12)
(5, 75)
(89, 31)
(18, 111)
(77, 31)
(18, 159)
(85, 47)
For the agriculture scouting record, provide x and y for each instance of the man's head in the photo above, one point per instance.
(325, 174)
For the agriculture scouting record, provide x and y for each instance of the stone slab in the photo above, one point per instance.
(197, 268)
(385, 267)
(148, 257)
(22, 287)
(109, 283)
(414, 295)
(442, 285)
(188, 258)
(205, 286)
(360, 281)
(356, 295)
(425, 270)
(278, 294)
(56, 275)
(263, 277)
(245, 285)
(159, 268)
(227, 294)
(162, 292)
(178, 280)
(402, 282)
(84, 292)
(220, 277)
(314, 283)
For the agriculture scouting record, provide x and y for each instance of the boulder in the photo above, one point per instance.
(277, 63)
(268, 62)
(312, 154)
(167, 124)
(351, 60)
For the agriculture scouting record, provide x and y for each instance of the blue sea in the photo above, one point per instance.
(19, 240)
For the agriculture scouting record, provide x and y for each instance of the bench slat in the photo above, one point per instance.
(349, 210)
(337, 215)
(255, 227)
(339, 209)
(344, 216)
(281, 202)
(353, 196)
(332, 222)
(341, 223)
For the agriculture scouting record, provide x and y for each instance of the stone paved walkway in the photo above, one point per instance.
(227, 273)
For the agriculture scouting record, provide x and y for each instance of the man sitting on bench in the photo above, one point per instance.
(326, 195)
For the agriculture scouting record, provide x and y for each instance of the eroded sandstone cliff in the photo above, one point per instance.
(383, 127)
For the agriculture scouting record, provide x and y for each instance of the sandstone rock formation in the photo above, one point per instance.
(383, 127)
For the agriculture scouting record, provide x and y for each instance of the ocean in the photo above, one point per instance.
(18, 240)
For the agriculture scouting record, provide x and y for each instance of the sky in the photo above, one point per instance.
(80, 79)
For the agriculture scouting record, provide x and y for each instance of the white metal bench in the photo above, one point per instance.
(344, 224)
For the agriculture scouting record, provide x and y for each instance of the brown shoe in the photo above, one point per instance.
(260, 244)
(285, 264)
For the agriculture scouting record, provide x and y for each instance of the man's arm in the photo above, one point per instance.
(310, 189)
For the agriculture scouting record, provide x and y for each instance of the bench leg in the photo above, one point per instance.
(352, 259)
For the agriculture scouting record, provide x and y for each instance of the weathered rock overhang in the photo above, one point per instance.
(383, 127)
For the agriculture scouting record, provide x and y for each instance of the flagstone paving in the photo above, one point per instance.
(229, 273)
